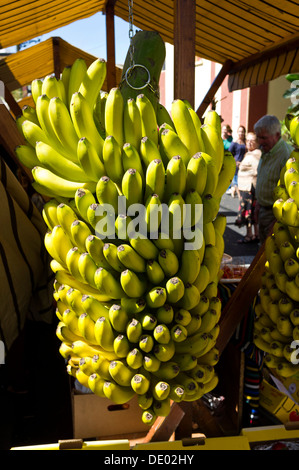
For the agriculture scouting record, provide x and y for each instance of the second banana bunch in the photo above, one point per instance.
(276, 326)
(137, 315)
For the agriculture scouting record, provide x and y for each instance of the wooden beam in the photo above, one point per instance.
(241, 299)
(184, 50)
(14, 107)
(214, 87)
(110, 42)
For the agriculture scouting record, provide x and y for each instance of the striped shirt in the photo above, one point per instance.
(268, 171)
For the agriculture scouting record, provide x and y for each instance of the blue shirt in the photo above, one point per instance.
(238, 151)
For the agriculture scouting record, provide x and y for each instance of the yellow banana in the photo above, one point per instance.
(114, 115)
(134, 358)
(82, 348)
(110, 253)
(64, 77)
(140, 384)
(70, 318)
(83, 122)
(132, 284)
(49, 213)
(176, 216)
(210, 208)
(144, 247)
(65, 334)
(132, 187)
(277, 209)
(50, 87)
(96, 384)
(294, 129)
(121, 346)
(62, 124)
(194, 209)
(33, 133)
(197, 124)
(155, 179)
(92, 81)
(107, 193)
(132, 124)
(171, 145)
(112, 158)
(153, 215)
(184, 125)
(118, 317)
(89, 160)
(87, 328)
(203, 278)
(76, 75)
(212, 174)
(213, 119)
(83, 199)
(95, 308)
(168, 262)
(117, 393)
(197, 170)
(30, 113)
(226, 174)
(130, 258)
(59, 165)
(104, 333)
(289, 212)
(94, 246)
(26, 155)
(87, 268)
(154, 272)
(190, 298)
(107, 284)
(71, 262)
(79, 231)
(164, 352)
(213, 145)
(36, 88)
(189, 258)
(176, 174)
(149, 125)
(121, 373)
(131, 159)
(156, 297)
(57, 185)
(61, 243)
(148, 151)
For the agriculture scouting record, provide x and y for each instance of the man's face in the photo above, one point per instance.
(267, 141)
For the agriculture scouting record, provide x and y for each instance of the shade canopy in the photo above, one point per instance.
(260, 38)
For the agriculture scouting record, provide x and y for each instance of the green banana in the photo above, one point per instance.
(197, 173)
(140, 384)
(176, 174)
(144, 247)
(131, 159)
(110, 253)
(121, 346)
(134, 330)
(134, 358)
(175, 289)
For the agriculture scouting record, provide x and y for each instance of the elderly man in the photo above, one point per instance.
(275, 153)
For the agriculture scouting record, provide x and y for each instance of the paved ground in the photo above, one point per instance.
(240, 252)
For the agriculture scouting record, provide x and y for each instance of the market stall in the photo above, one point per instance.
(261, 58)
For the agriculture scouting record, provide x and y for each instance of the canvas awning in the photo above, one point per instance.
(260, 38)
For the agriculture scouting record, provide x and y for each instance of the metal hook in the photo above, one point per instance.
(130, 69)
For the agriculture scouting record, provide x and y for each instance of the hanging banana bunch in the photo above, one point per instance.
(138, 312)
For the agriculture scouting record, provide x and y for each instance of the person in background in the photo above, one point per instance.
(246, 185)
(226, 134)
(275, 153)
(238, 148)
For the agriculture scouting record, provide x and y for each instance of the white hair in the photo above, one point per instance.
(269, 123)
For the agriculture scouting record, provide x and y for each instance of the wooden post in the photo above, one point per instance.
(56, 57)
(184, 50)
(214, 87)
(110, 41)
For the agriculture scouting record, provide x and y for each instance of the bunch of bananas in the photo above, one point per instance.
(137, 315)
(276, 326)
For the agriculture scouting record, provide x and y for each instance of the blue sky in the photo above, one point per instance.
(90, 35)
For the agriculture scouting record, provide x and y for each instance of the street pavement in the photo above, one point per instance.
(242, 253)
